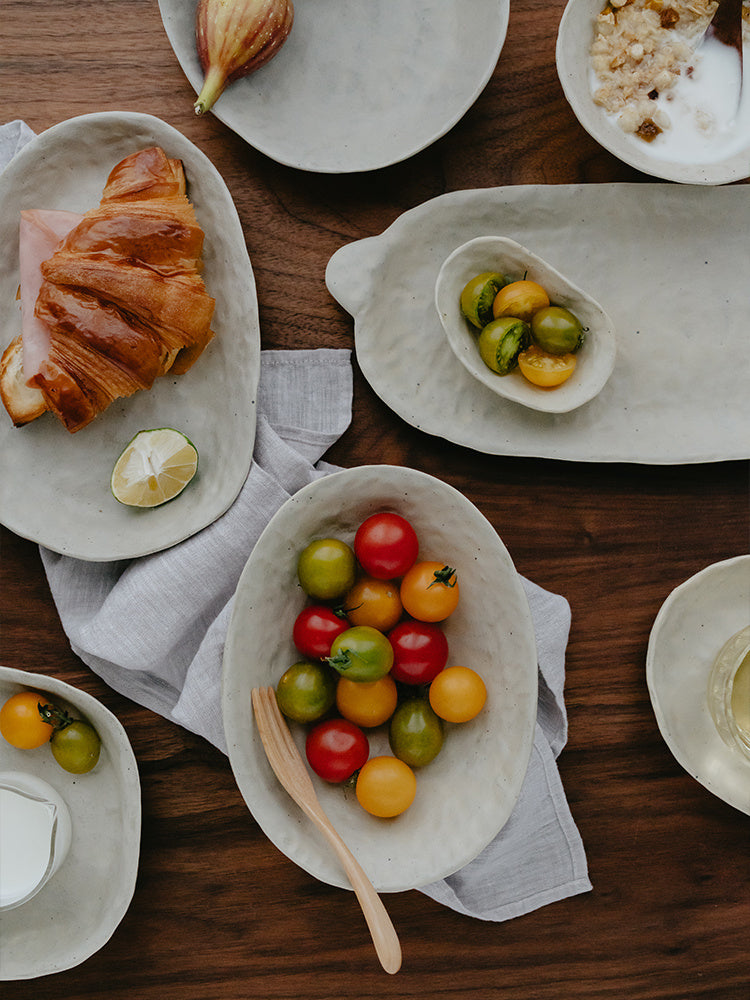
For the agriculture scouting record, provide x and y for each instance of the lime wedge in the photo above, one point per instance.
(156, 466)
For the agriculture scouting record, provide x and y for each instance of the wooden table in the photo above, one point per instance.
(218, 911)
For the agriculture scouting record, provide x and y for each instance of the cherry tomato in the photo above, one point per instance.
(556, 330)
(415, 732)
(429, 591)
(326, 569)
(336, 749)
(20, 722)
(545, 370)
(477, 297)
(501, 341)
(520, 299)
(365, 703)
(386, 786)
(420, 651)
(306, 691)
(457, 694)
(373, 602)
(386, 545)
(76, 747)
(315, 628)
(362, 653)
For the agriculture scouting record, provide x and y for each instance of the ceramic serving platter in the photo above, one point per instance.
(78, 910)
(360, 87)
(668, 264)
(693, 624)
(465, 796)
(55, 485)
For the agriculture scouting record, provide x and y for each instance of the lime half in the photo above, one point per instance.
(155, 467)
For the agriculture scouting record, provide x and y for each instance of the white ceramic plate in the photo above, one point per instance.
(670, 266)
(728, 161)
(693, 624)
(77, 911)
(595, 358)
(467, 793)
(55, 485)
(356, 88)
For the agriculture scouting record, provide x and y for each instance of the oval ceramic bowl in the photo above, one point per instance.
(727, 159)
(467, 793)
(99, 872)
(690, 629)
(596, 357)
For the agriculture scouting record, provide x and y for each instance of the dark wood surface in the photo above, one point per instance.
(218, 911)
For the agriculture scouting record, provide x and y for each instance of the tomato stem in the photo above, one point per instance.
(54, 716)
(444, 576)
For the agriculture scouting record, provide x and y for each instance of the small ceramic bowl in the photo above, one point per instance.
(596, 357)
(723, 158)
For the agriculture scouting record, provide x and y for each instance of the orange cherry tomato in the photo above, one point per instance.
(386, 786)
(429, 591)
(520, 299)
(544, 369)
(367, 703)
(457, 694)
(373, 602)
(20, 722)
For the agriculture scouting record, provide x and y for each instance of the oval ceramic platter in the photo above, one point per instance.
(77, 911)
(467, 793)
(691, 627)
(668, 264)
(357, 89)
(67, 475)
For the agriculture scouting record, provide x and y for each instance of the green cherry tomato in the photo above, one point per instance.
(501, 341)
(306, 691)
(556, 330)
(361, 653)
(326, 569)
(415, 733)
(478, 295)
(76, 747)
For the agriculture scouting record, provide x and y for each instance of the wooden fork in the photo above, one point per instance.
(289, 768)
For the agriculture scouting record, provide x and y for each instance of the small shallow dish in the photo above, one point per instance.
(595, 358)
(726, 159)
(465, 796)
(690, 629)
(97, 879)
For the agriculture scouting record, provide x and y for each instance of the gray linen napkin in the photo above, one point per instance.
(123, 621)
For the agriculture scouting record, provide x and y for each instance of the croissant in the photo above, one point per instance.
(110, 300)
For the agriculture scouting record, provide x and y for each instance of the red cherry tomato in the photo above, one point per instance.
(336, 749)
(420, 651)
(386, 545)
(315, 628)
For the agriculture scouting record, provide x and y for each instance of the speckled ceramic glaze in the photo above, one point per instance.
(692, 626)
(55, 485)
(78, 909)
(467, 793)
(356, 87)
(595, 359)
(669, 265)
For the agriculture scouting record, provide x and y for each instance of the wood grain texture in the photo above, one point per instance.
(218, 912)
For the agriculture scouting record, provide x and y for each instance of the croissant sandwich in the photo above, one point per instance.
(109, 300)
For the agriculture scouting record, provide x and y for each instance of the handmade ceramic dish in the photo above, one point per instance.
(467, 793)
(68, 475)
(719, 159)
(96, 878)
(692, 626)
(595, 358)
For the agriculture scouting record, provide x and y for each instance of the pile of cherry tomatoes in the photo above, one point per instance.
(28, 720)
(374, 654)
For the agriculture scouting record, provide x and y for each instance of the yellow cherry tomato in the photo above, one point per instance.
(457, 694)
(386, 786)
(544, 369)
(20, 722)
(367, 703)
(373, 602)
(520, 299)
(429, 591)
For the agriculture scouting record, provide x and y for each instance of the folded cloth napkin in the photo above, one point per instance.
(154, 628)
